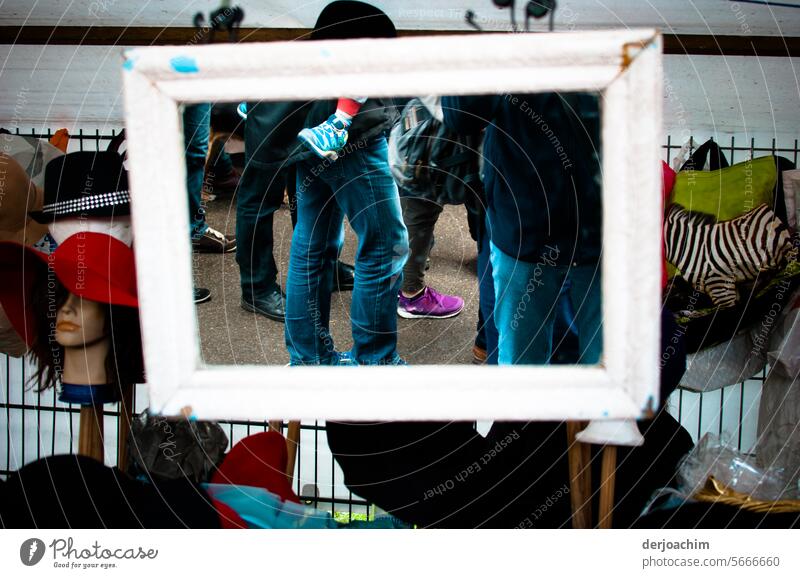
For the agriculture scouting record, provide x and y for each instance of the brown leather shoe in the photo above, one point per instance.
(212, 241)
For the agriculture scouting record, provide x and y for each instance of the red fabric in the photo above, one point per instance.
(228, 518)
(667, 182)
(60, 139)
(348, 106)
(258, 460)
(94, 266)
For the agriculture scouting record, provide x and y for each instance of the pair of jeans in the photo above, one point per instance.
(420, 216)
(486, 324)
(526, 299)
(259, 195)
(359, 185)
(196, 127)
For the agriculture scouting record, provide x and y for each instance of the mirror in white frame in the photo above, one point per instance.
(624, 67)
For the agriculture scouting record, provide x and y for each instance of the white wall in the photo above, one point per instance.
(80, 86)
(677, 16)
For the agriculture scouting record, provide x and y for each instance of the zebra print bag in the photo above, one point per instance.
(714, 257)
(734, 273)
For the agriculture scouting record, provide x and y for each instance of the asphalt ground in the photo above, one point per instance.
(229, 335)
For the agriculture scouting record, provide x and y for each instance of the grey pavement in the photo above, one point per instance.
(230, 335)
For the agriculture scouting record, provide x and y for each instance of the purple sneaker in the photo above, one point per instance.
(431, 304)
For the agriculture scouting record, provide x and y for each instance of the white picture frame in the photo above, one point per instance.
(624, 66)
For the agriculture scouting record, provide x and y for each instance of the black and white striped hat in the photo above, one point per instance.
(84, 184)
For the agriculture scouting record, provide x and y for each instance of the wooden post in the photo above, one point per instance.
(124, 425)
(580, 477)
(607, 480)
(90, 432)
(292, 445)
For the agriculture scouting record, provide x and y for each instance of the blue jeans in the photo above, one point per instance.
(259, 195)
(360, 186)
(526, 295)
(486, 298)
(196, 127)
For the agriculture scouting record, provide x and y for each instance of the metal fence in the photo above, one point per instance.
(36, 424)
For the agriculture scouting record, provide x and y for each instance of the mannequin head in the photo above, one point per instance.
(97, 342)
(80, 322)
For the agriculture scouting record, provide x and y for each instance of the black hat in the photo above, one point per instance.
(346, 19)
(90, 184)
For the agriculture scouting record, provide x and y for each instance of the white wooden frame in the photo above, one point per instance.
(624, 65)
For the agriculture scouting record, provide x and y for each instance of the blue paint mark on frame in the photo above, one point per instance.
(184, 64)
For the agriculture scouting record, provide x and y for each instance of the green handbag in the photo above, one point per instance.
(725, 192)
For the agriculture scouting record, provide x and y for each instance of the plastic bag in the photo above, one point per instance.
(779, 408)
(175, 448)
(725, 364)
(736, 470)
(778, 443)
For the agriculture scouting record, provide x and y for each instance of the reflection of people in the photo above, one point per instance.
(359, 185)
(205, 239)
(543, 215)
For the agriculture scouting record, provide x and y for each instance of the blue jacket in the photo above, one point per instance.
(541, 170)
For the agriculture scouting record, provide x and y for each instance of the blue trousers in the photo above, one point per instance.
(526, 298)
(359, 185)
(196, 127)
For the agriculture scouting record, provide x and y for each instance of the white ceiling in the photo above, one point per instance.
(720, 17)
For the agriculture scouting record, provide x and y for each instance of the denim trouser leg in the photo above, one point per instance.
(259, 195)
(315, 247)
(360, 186)
(526, 296)
(196, 127)
(486, 299)
(587, 299)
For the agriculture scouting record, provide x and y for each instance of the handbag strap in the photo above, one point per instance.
(697, 161)
(116, 142)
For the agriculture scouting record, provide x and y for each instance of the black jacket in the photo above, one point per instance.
(272, 127)
(541, 170)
